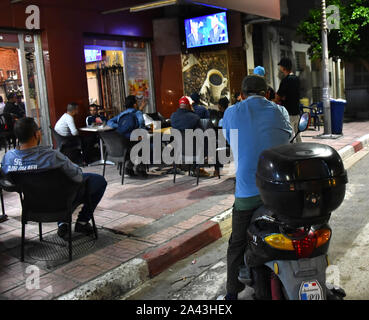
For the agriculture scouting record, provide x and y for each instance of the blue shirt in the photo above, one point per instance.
(201, 111)
(38, 158)
(261, 125)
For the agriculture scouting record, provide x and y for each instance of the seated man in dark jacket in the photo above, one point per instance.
(31, 156)
(185, 118)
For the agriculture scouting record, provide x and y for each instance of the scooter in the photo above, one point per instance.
(300, 184)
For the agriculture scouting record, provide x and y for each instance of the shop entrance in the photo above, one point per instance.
(22, 73)
(116, 69)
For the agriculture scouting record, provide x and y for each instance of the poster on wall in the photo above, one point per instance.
(138, 76)
(207, 74)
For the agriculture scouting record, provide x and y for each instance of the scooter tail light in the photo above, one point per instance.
(279, 241)
(305, 247)
(322, 237)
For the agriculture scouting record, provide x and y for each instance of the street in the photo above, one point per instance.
(202, 276)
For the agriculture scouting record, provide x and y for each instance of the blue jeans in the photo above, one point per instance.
(95, 191)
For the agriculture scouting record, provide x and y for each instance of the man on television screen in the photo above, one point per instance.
(195, 38)
(217, 32)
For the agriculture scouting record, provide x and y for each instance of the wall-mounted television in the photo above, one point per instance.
(92, 55)
(206, 30)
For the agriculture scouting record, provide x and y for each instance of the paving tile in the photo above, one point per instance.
(193, 221)
(87, 268)
(164, 235)
(49, 286)
(5, 228)
(15, 274)
(128, 224)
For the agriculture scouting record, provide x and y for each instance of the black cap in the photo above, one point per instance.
(254, 84)
(286, 63)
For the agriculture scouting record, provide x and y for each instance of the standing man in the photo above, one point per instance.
(260, 124)
(288, 94)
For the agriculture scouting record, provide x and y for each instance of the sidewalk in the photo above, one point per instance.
(144, 227)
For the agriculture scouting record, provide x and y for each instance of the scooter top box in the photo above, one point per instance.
(302, 182)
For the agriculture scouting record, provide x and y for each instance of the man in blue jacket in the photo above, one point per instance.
(124, 123)
(131, 107)
(260, 124)
(31, 156)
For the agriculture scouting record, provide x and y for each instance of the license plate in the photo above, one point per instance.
(311, 290)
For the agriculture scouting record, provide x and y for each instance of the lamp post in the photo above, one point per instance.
(325, 71)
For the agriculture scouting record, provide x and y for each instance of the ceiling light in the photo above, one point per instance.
(153, 5)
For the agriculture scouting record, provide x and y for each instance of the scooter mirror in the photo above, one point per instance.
(304, 122)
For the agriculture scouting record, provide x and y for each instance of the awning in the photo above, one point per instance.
(264, 8)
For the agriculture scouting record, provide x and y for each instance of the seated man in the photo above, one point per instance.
(127, 121)
(12, 108)
(185, 118)
(222, 105)
(66, 127)
(124, 123)
(199, 109)
(38, 157)
(94, 118)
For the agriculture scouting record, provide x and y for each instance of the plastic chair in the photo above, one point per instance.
(71, 147)
(315, 110)
(196, 154)
(48, 196)
(116, 147)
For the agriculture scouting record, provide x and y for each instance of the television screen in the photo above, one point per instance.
(92, 55)
(206, 30)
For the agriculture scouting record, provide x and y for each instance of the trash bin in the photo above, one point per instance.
(337, 112)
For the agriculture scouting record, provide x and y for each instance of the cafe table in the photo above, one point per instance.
(97, 129)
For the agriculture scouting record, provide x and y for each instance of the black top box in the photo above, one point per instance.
(301, 183)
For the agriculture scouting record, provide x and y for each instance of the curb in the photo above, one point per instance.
(135, 272)
(130, 275)
(354, 147)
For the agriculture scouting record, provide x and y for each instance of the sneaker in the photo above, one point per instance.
(86, 229)
(244, 275)
(63, 231)
(228, 296)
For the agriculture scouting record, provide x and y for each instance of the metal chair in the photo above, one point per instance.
(48, 196)
(117, 148)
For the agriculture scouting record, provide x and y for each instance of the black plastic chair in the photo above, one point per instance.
(196, 155)
(48, 196)
(71, 147)
(117, 148)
